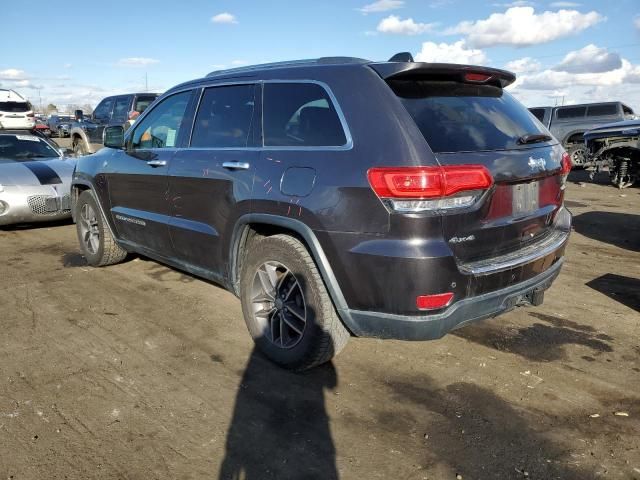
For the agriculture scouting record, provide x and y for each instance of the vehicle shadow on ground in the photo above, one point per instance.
(625, 290)
(540, 342)
(35, 225)
(479, 435)
(579, 175)
(619, 229)
(280, 426)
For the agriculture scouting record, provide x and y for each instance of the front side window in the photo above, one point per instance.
(103, 110)
(224, 117)
(160, 128)
(300, 115)
(538, 113)
(120, 109)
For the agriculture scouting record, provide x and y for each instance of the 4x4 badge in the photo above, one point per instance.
(537, 163)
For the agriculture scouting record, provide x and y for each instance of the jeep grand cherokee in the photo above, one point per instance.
(337, 197)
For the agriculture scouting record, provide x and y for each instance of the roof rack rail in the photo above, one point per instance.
(289, 63)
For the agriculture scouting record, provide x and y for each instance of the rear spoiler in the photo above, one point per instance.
(416, 70)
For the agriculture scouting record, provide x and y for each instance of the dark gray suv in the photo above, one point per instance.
(337, 197)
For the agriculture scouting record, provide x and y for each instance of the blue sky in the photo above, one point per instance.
(579, 51)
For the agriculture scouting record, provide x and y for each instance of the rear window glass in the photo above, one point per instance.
(571, 112)
(300, 115)
(15, 107)
(143, 101)
(597, 110)
(538, 113)
(456, 117)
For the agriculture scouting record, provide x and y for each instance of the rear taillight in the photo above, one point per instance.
(31, 115)
(566, 164)
(415, 189)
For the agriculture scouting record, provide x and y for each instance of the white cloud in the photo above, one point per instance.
(67, 65)
(450, 53)
(564, 4)
(224, 17)
(523, 65)
(382, 6)
(590, 59)
(516, 3)
(636, 22)
(393, 24)
(521, 26)
(239, 63)
(137, 61)
(12, 74)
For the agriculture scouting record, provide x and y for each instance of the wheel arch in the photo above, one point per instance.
(575, 136)
(254, 225)
(80, 186)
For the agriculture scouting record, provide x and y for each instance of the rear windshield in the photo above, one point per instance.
(142, 102)
(24, 148)
(14, 107)
(457, 117)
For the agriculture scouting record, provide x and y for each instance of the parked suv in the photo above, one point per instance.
(86, 133)
(337, 197)
(15, 111)
(568, 123)
(60, 125)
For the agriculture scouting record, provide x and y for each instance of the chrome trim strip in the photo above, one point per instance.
(518, 258)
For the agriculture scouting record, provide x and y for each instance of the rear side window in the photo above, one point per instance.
(224, 117)
(538, 113)
(601, 110)
(571, 112)
(15, 107)
(458, 117)
(300, 115)
(120, 109)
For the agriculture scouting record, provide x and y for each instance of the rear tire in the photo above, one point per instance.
(286, 306)
(96, 242)
(578, 154)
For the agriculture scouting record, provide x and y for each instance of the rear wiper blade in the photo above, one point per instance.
(534, 138)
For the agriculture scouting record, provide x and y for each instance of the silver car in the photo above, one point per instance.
(35, 178)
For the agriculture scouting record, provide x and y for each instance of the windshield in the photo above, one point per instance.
(458, 117)
(24, 148)
(14, 107)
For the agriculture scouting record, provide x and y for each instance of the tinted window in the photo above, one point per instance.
(457, 117)
(14, 107)
(597, 110)
(538, 113)
(24, 148)
(160, 128)
(224, 117)
(571, 112)
(142, 102)
(300, 115)
(103, 110)
(121, 109)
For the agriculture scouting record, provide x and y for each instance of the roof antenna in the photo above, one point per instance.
(402, 57)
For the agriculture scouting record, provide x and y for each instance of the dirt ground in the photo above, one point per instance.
(137, 371)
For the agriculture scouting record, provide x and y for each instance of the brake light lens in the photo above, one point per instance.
(476, 77)
(31, 115)
(434, 302)
(414, 189)
(566, 164)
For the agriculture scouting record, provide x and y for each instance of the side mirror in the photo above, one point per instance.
(114, 136)
(79, 115)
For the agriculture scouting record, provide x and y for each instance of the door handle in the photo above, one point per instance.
(236, 165)
(157, 163)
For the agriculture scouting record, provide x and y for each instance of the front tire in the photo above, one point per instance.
(286, 306)
(578, 154)
(96, 242)
(79, 148)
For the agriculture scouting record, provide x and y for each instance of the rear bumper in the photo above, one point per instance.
(471, 309)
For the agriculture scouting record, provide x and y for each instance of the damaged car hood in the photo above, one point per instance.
(36, 172)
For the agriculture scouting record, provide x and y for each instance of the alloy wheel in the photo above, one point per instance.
(89, 229)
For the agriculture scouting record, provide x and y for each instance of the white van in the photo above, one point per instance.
(15, 111)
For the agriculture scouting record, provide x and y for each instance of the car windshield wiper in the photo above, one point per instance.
(534, 138)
